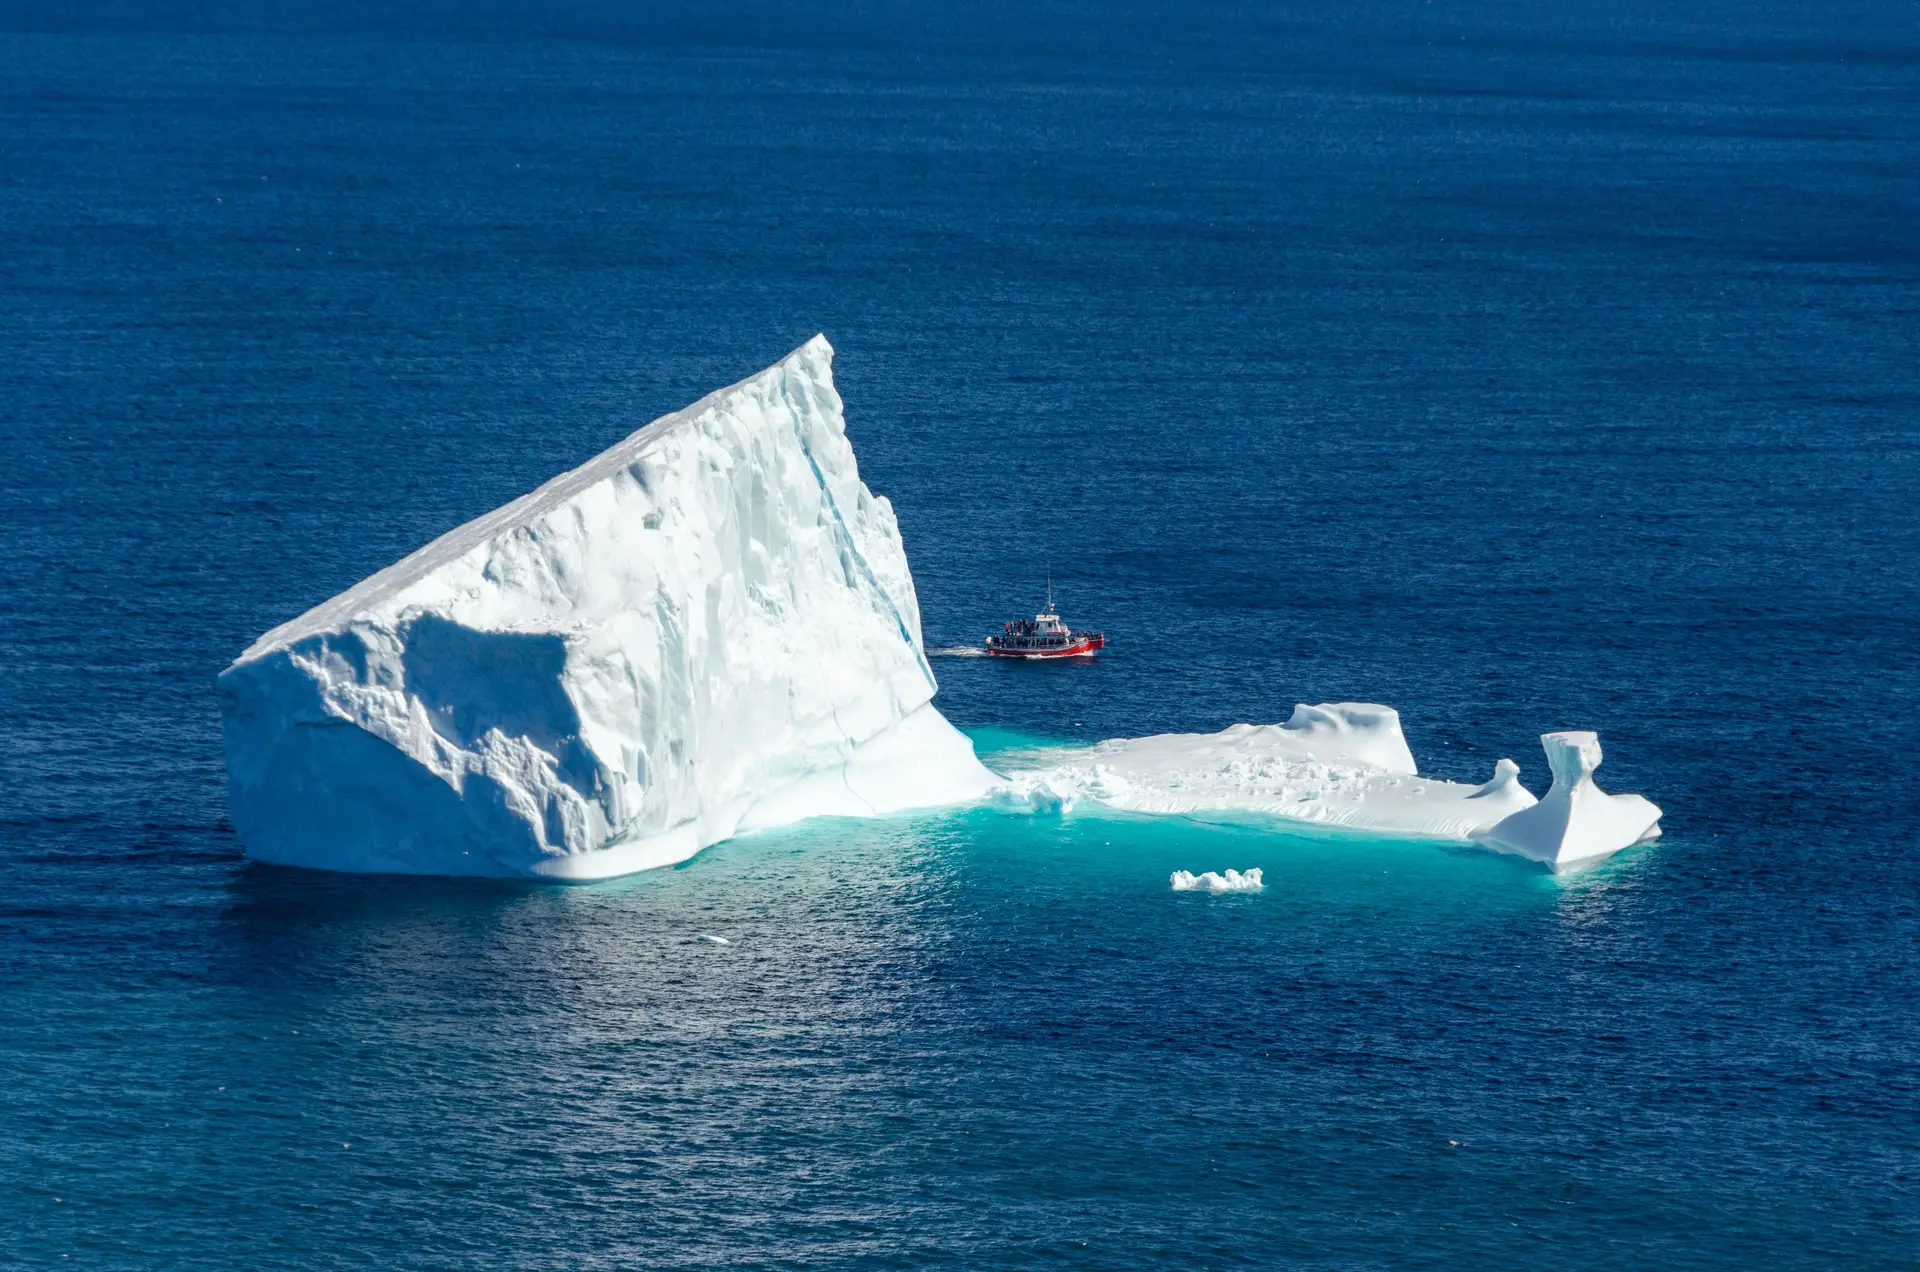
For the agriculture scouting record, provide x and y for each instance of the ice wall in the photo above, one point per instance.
(710, 626)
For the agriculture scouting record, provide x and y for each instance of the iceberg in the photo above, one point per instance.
(1577, 824)
(708, 628)
(1343, 764)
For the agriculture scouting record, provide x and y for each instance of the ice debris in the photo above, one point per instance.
(1231, 881)
(707, 628)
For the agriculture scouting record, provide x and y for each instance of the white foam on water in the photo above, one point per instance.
(1231, 881)
(957, 651)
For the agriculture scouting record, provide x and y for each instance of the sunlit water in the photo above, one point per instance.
(1524, 370)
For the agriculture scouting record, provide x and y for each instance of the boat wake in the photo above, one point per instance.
(957, 651)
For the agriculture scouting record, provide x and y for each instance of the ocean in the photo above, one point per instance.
(1522, 366)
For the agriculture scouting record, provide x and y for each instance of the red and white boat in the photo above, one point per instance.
(1045, 636)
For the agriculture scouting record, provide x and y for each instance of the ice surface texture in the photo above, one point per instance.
(1345, 764)
(708, 627)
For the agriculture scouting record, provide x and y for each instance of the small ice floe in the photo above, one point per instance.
(714, 940)
(958, 651)
(1231, 881)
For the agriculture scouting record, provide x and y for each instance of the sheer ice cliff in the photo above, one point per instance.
(1345, 764)
(708, 628)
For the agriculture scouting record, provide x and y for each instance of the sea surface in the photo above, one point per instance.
(1524, 366)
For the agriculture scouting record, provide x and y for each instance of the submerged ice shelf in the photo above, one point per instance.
(1345, 764)
(707, 628)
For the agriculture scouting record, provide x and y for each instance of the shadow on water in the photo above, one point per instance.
(286, 927)
(281, 898)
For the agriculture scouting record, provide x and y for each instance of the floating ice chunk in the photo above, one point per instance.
(1231, 881)
(1339, 764)
(709, 626)
(1577, 823)
(710, 939)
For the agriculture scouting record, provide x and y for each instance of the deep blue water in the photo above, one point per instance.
(1522, 368)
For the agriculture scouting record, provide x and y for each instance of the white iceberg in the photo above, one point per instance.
(1577, 824)
(1208, 881)
(1338, 764)
(710, 627)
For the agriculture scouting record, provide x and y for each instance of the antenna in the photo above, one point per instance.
(1049, 591)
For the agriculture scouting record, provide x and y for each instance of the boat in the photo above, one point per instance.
(1044, 636)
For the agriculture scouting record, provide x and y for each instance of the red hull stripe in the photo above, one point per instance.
(1078, 649)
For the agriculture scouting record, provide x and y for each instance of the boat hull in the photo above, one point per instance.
(1084, 647)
